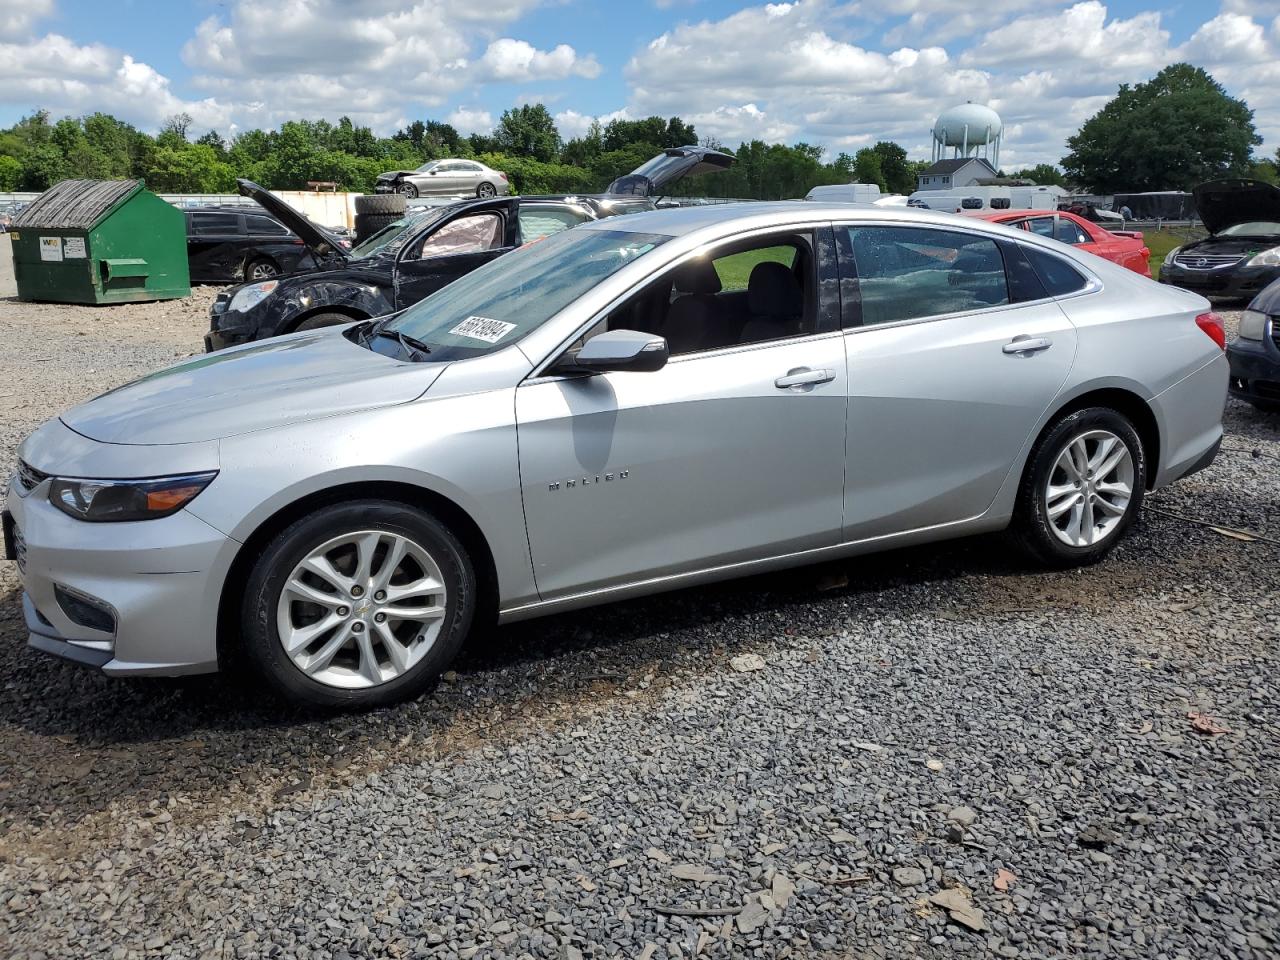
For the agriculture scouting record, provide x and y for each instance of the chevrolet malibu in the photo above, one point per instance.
(635, 405)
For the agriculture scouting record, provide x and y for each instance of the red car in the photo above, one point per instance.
(1125, 247)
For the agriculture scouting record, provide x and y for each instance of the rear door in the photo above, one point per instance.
(453, 248)
(215, 240)
(941, 395)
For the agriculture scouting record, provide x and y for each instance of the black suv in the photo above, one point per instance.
(231, 244)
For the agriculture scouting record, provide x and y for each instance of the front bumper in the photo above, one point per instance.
(1229, 283)
(1255, 370)
(228, 328)
(153, 587)
(386, 186)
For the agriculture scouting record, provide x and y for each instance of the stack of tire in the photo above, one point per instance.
(376, 211)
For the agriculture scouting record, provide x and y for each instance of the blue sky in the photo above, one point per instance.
(842, 74)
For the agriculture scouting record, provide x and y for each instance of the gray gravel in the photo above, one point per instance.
(948, 756)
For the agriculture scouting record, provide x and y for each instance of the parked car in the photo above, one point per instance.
(1254, 354)
(426, 249)
(1125, 247)
(445, 178)
(1241, 255)
(633, 405)
(228, 244)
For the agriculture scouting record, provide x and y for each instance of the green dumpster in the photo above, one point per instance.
(100, 241)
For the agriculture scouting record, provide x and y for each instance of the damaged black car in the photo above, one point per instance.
(1241, 255)
(423, 251)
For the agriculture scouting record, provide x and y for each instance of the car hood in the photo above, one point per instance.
(305, 376)
(1224, 203)
(321, 242)
(392, 174)
(652, 176)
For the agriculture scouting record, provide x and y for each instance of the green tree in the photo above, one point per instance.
(10, 172)
(529, 131)
(1176, 130)
(868, 168)
(899, 177)
(1045, 174)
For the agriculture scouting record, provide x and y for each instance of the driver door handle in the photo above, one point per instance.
(804, 377)
(1027, 345)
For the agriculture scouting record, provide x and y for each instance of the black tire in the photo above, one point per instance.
(1032, 529)
(486, 189)
(318, 320)
(1265, 406)
(261, 268)
(380, 203)
(367, 224)
(263, 648)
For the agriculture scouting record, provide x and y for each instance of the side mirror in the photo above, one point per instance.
(622, 350)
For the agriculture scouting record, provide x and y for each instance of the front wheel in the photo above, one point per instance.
(318, 320)
(358, 605)
(1082, 488)
(408, 190)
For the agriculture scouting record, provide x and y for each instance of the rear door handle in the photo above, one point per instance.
(804, 377)
(1025, 344)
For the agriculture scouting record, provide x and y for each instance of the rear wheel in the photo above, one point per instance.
(358, 605)
(261, 269)
(1082, 488)
(486, 190)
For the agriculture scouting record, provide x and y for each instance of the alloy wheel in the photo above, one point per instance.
(362, 609)
(262, 271)
(1089, 488)
(487, 190)
(408, 190)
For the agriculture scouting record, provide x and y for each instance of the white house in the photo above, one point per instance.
(960, 172)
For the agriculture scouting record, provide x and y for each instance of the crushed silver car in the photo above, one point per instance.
(634, 405)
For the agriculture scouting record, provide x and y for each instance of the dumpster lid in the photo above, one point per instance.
(74, 204)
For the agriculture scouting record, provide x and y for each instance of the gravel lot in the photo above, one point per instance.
(938, 740)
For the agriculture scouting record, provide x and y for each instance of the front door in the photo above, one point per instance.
(941, 395)
(453, 249)
(733, 451)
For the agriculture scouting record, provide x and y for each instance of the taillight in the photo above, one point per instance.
(1211, 324)
(503, 176)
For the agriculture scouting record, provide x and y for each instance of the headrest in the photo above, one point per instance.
(772, 291)
(696, 276)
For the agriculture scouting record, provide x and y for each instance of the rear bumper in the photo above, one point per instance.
(1190, 417)
(1255, 370)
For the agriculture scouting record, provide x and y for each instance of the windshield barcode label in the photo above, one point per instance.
(482, 328)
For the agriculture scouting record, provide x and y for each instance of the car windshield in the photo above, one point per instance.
(430, 164)
(507, 298)
(389, 239)
(1256, 228)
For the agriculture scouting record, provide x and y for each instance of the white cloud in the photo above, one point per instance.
(572, 124)
(17, 17)
(469, 121)
(519, 61)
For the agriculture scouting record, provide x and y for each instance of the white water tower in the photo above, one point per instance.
(968, 130)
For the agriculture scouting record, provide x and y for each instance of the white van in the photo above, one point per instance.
(845, 193)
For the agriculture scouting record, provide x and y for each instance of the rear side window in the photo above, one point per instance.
(264, 227)
(219, 224)
(1059, 277)
(905, 273)
(1069, 232)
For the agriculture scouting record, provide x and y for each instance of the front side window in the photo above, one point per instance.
(1042, 226)
(906, 273)
(498, 304)
(750, 292)
(264, 227)
(473, 234)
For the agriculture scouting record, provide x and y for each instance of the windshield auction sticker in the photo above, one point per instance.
(482, 328)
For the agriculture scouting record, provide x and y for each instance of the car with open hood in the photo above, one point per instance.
(1241, 255)
(425, 250)
(636, 404)
(230, 244)
(453, 177)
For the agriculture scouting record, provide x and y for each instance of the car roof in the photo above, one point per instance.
(679, 221)
(252, 208)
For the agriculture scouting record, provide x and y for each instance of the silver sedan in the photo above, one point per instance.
(630, 406)
(445, 178)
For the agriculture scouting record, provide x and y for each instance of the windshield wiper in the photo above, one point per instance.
(411, 345)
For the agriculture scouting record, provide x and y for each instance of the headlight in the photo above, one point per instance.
(1168, 257)
(1267, 258)
(111, 501)
(247, 298)
(1253, 325)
